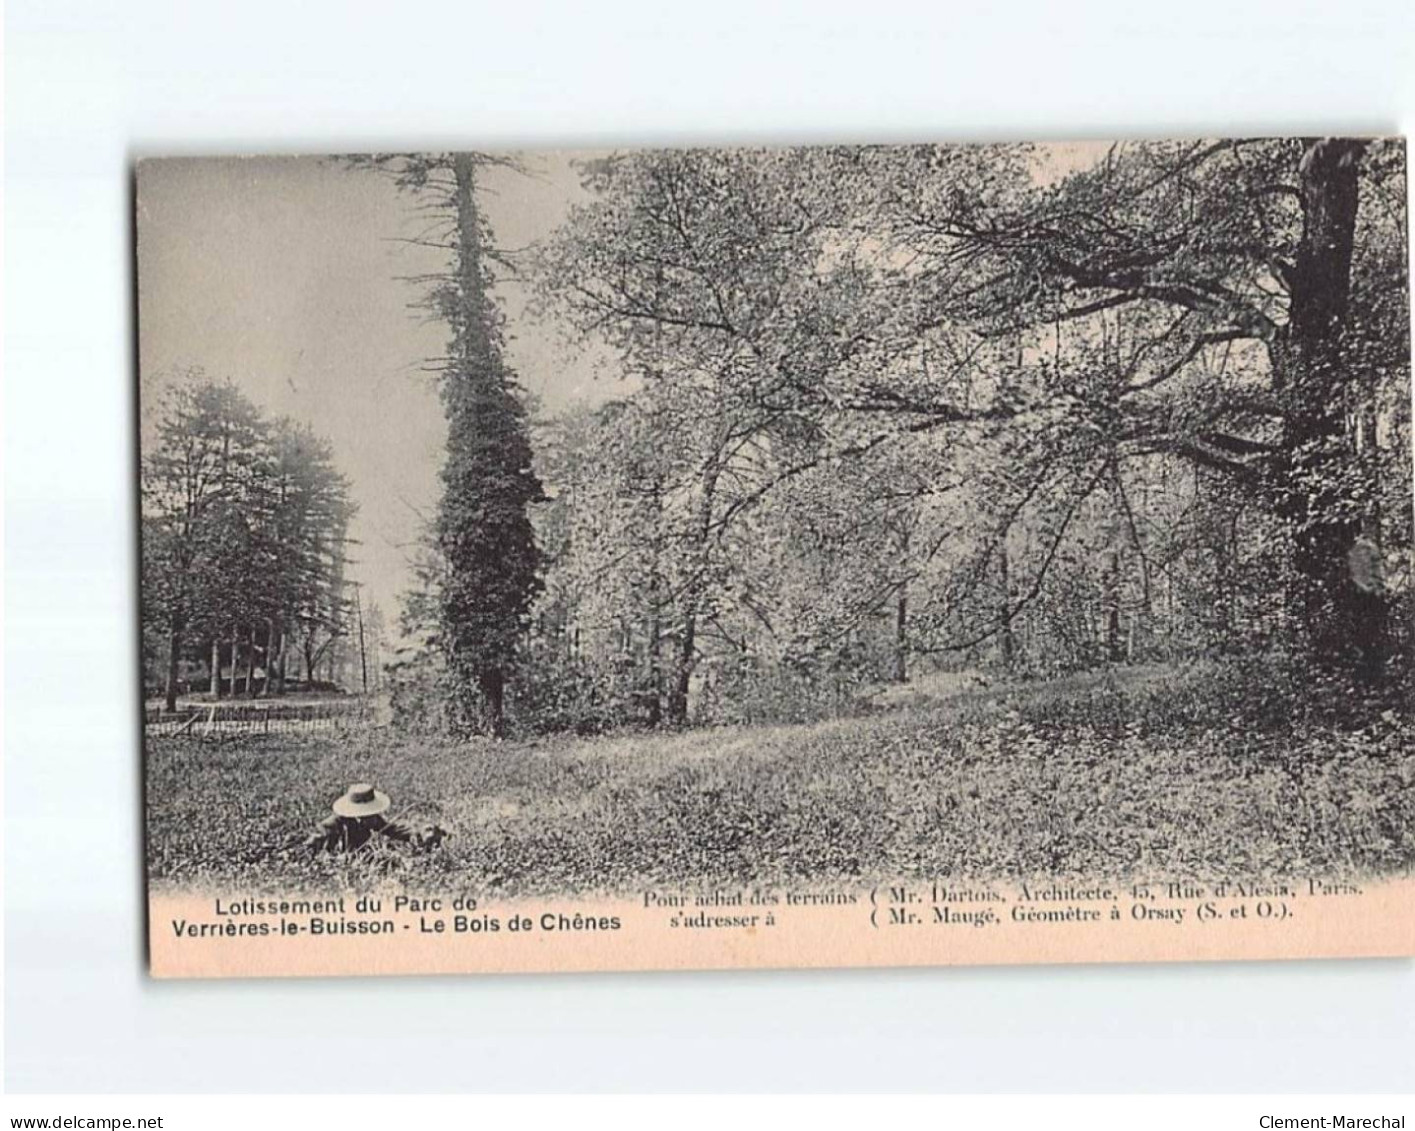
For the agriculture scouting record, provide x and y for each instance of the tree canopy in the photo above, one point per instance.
(244, 537)
(922, 401)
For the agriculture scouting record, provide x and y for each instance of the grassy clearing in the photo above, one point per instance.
(1201, 773)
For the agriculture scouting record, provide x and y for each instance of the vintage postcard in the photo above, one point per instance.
(743, 557)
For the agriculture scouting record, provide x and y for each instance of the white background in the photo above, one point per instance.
(89, 86)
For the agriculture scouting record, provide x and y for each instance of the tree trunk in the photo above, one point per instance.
(901, 635)
(1110, 603)
(1007, 642)
(215, 667)
(235, 656)
(269, 656)
(174, 653)
(655, 702)
(284, 647)
(683, 672)
(250, 662)
(1312, 376)
(655, 697)
(493, 689)
(901, 608)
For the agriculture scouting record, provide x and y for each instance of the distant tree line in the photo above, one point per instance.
(244, 538)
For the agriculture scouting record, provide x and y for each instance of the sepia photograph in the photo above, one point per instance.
(822, 555)
(652, 565)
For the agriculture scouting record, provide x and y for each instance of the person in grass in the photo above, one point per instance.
(358, 819)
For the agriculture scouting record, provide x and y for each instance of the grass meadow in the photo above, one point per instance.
(1202, 773)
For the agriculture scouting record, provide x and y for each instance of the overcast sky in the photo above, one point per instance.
(283, 274)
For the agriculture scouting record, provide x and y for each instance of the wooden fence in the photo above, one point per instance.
(219, 721)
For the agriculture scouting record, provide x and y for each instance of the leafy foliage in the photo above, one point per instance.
(911, 408)
(244, 529)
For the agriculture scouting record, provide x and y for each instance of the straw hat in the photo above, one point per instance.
(362, 800)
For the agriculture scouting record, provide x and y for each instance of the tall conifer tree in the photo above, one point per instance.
(485, 545)
(483, 526)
